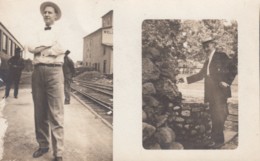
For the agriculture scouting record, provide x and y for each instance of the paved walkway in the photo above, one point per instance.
(86, 137)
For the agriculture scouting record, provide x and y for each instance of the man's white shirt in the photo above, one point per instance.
(51, 40)
(210, 58)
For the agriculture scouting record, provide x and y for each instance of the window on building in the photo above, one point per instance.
(104, 66)
(4, 44)
(90, 42)
(0, 39)
(13, 48)
(9, 46)
(108, 21)
(104, 50)
(95, 66)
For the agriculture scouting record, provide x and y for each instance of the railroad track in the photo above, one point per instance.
(105, 89)
(97, 97)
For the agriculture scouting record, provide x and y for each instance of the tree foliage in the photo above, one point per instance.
(181, 39)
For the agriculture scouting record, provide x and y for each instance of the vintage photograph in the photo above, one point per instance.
(190, 84)
(56, 80)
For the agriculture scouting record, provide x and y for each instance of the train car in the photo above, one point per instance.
(8, 43)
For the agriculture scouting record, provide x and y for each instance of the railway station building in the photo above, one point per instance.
(98, 47)
(8, 43)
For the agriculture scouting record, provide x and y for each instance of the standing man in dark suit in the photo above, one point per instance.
(16, 65)
(69, 72)
(218, 72)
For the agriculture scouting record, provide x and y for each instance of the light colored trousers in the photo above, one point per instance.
(47, 91)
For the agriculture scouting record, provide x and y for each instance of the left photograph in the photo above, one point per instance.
(56, 80)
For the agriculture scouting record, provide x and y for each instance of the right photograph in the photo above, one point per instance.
(190, 84)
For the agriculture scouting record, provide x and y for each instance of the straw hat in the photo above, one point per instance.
(55, 6)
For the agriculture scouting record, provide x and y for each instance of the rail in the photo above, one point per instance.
(79, 89)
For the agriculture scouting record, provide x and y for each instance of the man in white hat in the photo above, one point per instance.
(218, 72)
(48, 83)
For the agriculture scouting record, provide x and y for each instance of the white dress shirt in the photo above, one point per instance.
(48, 43)
(210, 58)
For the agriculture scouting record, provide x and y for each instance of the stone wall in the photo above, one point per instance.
(169, 123)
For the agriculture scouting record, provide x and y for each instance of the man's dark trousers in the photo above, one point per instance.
(67, 89)
(218, 110)
(12, 78)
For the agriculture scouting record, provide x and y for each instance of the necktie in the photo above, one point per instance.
(47, 28)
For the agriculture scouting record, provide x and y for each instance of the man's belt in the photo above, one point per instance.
(47, 65)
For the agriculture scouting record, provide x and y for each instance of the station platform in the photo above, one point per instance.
(86, 138)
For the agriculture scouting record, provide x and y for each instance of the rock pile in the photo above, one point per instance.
(191, 123)
(167, 122)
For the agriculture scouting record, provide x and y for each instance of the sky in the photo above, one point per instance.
(79, 18)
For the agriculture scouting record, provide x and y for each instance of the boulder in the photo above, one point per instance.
(176, 145)
(169, 69)
(160, 120)
(179, 119)
(148, 131)
(167, 88)
(144, 116)
(176, 108)
(165, 136)
(202, 129)
(150, 71)
(149, 111)
(193, 132)
(186, 113)
(155, 146)
(151, 53)
(150, 101)
(148, 88)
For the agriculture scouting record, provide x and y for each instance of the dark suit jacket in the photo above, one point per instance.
(68, 68)
(221, 69)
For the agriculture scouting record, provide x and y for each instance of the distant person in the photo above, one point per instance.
(219, 72)
(69, 73)
(3, 68)
(16, 65)
(1, 75)
(48, 83)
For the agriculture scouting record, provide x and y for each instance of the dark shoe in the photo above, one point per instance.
(209, 144)
(218, 145)
(58, 159)
(15, 97)
(67, 103)
(40, 152)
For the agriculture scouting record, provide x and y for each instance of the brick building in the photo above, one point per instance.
(98, 46)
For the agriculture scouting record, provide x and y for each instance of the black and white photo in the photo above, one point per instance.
(189, 68)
